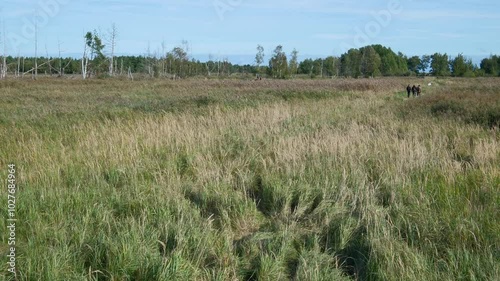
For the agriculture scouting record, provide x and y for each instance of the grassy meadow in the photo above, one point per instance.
(342, 179)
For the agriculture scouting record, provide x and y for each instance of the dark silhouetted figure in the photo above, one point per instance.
(419, 90)
(414, 90)
(408, 90)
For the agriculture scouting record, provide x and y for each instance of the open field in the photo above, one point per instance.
(252, 180)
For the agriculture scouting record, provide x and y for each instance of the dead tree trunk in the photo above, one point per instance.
(18, 65)
(113, 33)
(3, 68)
(35, 73)
(85, 61)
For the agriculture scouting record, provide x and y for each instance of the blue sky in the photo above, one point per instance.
(233, 28)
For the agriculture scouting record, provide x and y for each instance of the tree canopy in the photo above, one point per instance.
(368, 61)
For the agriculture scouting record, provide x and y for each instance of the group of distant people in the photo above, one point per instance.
(416, 90)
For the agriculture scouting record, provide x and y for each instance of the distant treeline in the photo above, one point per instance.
(369, 61)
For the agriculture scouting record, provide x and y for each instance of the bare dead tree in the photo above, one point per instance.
(148, 60)
(3, 68)
(3, 73)
(113, 33)
(210, 64)
(121, 67)
(48, 61)
(61, 68)
(36, 50)
(227, 65)
(163, 59)
(32, 70)
(157, 64)
(85, 59)
(18, 64)
(218, 65)
(187, 48)
(60, 59)
(35, 73)
(130, 76)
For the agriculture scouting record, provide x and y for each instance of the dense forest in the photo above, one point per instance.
(369, 61)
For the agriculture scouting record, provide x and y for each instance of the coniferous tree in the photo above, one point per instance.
(95, 45)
